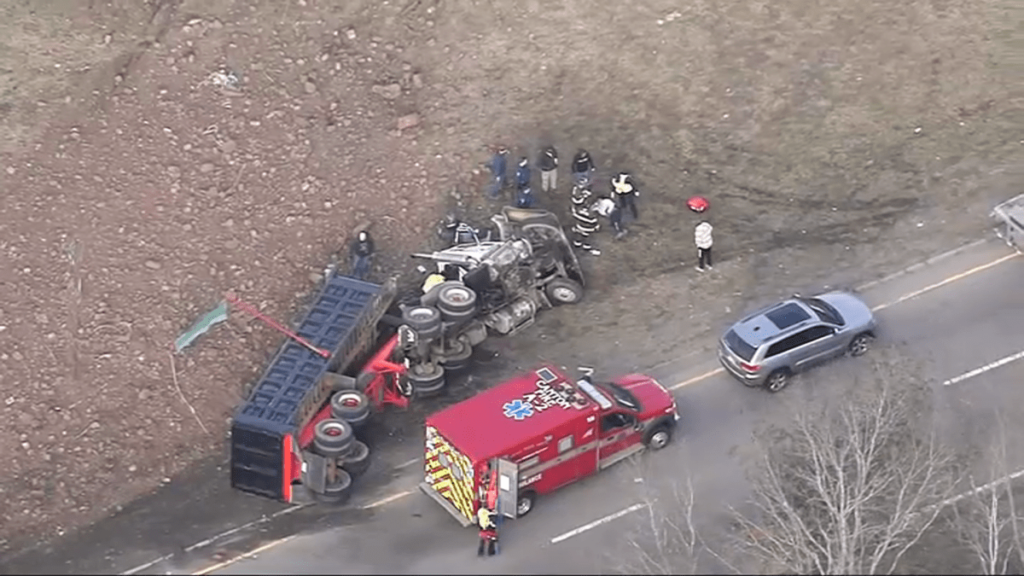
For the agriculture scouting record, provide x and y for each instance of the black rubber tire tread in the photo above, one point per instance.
(424, 320)
(357, 461)
(342, 407)
(563, 284)
(337, 492)
(649, 436)
(332, 444)
(446, 302)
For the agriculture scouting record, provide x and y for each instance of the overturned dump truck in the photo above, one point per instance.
(1010, 222)
(295, 437)
(298, 425)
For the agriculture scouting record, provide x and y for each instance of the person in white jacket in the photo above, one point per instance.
(702, 237)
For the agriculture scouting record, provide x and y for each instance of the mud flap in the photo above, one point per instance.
(314, 473)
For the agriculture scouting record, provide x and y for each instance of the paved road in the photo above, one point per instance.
(959, 332)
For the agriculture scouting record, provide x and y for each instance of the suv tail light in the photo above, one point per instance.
(750, 367)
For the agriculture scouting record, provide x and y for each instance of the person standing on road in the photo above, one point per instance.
(585, 223)
(523, 174)
(548, 164)
(626, 192)
(702, 237)
(583, 168)
(609, 209)
(362, 250)
(488, 532)
(498, 167)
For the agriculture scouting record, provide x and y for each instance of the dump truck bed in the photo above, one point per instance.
(343, 319)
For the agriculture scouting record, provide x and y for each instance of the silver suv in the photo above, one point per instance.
(772, 344)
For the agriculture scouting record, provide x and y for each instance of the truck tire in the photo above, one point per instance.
(658, 437)
(332, 437)
(564, 291)
(458, 356)
(456, 299)
(357, 460)
(424, 320)
(351, 406)
(525, 503)
(426, 382)
(337, 492)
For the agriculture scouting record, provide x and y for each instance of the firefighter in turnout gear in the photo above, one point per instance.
(585, 222)
(625, 192)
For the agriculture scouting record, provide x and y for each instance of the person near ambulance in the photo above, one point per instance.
(488, 531)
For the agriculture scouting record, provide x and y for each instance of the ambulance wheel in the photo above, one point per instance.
(525, 503)
(456, 299)
(426, 379)
(357, 460)
(332, 437)
(564, 291)
(424, 320)
(658, 437)
(336, 492)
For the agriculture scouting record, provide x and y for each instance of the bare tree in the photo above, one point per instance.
(849, 488)
(987, 521)
(666, 541)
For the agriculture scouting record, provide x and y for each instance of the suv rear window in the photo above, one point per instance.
(739, 346)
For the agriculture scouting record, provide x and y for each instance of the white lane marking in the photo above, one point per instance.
(407, 464)
(985, 368)
(942, 283)
(142, 567)
(249, 554)
(387, 500)
(696, 379)
(982, 488)
(236, 529)
(596, 523)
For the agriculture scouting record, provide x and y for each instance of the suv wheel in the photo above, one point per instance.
(777, 380)
(860, 344)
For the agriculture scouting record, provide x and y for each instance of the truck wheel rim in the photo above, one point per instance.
(421, 314)
(458, 295)
(333, 430)
(564, 294)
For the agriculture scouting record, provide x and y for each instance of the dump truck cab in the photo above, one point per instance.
(537, 432)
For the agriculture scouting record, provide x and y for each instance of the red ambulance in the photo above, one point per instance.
(536, 433)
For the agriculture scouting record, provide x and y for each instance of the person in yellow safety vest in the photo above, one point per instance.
(488, 531)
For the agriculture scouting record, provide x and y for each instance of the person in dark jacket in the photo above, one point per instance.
(524, 197)
(548, 164)
(498, 167)
(362, 250)
(626, 192)
(523, 174)
(582, 168)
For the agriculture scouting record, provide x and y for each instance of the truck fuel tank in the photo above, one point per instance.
(512, 318)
